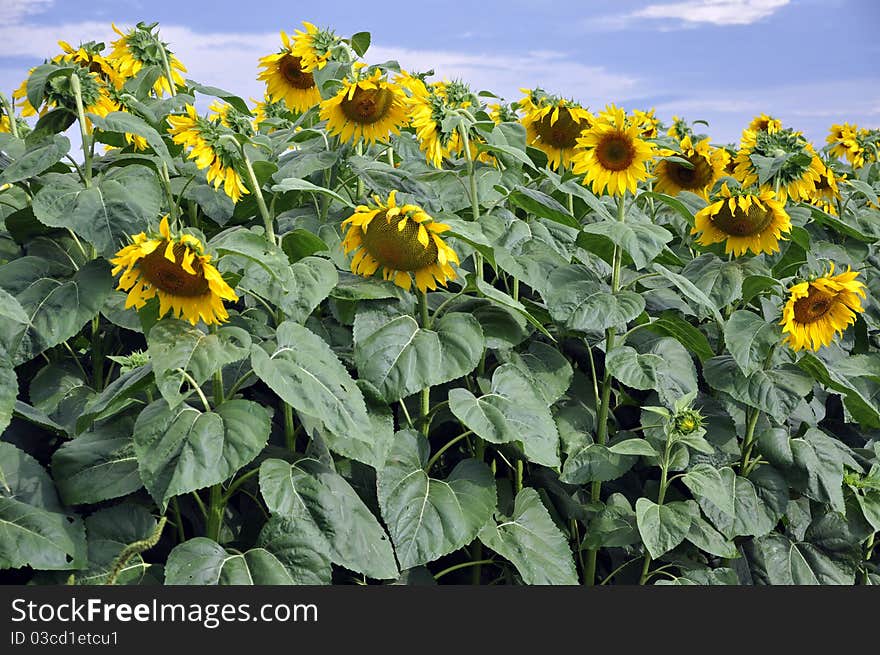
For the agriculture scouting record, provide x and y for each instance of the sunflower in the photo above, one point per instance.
(140, 47)
(403, 241)
(369, 108)
(819, 308)
(5, 126)
(649, 123)
(827, 191)
(286, 79)
(679, 129)
(553, 125)
(57, 93)
(270, 110)
(798, 174)
(89, 55)
(612, 154)
(429, 106)
(743, 221)
(707, 165)
(313, 47)
(177, 270)
(501, 112)
(842, 139)
(202, 136)
(765, 123)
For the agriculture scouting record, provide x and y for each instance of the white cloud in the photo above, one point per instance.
(716, 12)
(13, 11)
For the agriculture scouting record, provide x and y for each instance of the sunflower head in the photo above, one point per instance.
(649, 123)
(429, 107)
(230, 117)
(798, 173)
(502, 112)
(706, 166)
(613, 157)
(141, 47)
(210, 150)
(765, 123)
(269, 110)
(553, 125)
(314, 46)
(287, 79)
(743, 221)
(96, 95)
(679, 129)
(90, 55)
(827, 190)
(368, 108)
(403, 240)
(820, 307)
(175, 269)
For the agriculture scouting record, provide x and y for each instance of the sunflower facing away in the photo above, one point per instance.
(428, 106)
(202, 136)
(817, 309)
(369, 108)
(765, 123)
(313, 47)
(649, 123)
(827, 191)
(743, 221)
(797, 176)
(175, 269)
(612, 154)
(707, 165)
(403, 241)
(140, 47)
(96, 96)
(286, 78)
(553, 125)
(89, 55)
(842, 139)
(270, 110)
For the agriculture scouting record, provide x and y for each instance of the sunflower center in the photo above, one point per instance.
(291, 68)
(690, 178)
(616, 152)
(742, 224)
(170, 277)
(367, 106)
(563, 133)
(398, 250)
(813, 307)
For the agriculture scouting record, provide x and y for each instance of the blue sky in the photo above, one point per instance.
(809, 62)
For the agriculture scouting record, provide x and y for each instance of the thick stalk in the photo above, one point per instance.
(475, 198)
(83, 129)
(289, 432)
(172, 87)
(749, 441)
(268, 222)
(97, 355)
(425, 407)
(166, 182)
(664, 483)
(359, 149)
(605, 401)
(216, 508)
(7, 109)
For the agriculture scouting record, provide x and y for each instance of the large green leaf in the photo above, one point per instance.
(579, 300)
(8, 391)
(858, 399)
(34, 528)
(400, 358)
(547, 368)
(540, 204)
(666, 367)
(182, 449)
(720, 280)
(306, 373)
(427, 517)
(110, 531)
(36, 159)
(532, 542)
(593, 462)
(777, 560)
(777, 392)
(308, 491)
(641, 241)
(749, 339)
(690, 290)
(663, 527)
(716, 486)
(179, 350)
(759, 501)
(513, 410)
(119, 204)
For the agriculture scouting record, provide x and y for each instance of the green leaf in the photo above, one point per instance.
(507, 302)
(690, 290)
(121, 203)
(8, 392)
(296, 184)
(98, 465)
(299, 243)
(757, 507)
(663, 527)
(512, 411)
(749, 339)
(429, 518)
(777, 392)
(634, 447)
(360, 42)
(666, 367)
(532, 542)
(594, 462)
(706, 538)
(123, 122)
(614, 525)
(178, 349)
(540, 204)
(308, 491)
(721, 281)
(231, 98)
(34, 529)
(675, 204)
(547, 368)
(36, 159)
(641, 241)
(717, 486)
(686, 334)
(576, 298)
(182, 449)
(859, 403)
(777, 560)
(305, 372)
(110, 531)
(400, 358)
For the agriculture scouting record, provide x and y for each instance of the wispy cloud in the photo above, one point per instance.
(716, 12)
(13, 11)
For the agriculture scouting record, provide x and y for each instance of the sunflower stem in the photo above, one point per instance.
(216, 508)
(166, 182)
(390, 153)
(268, 222)
(605, 401)
(7, 107)
(475, 198)
(661, 495)
(359, 149)
(76, 87)
(449, 444)
(289, 432)
(172, 87)
(425, 408)
(97, 355)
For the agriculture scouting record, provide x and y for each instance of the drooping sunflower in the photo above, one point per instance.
(141, 47)
(743, 221)
(429, 105)
(230, 117)
(842, 139)
(403, 241)
(209, 151)
(176, 269)
(649, 123)
(267, 109)
(679, 129)
(58, 93)
(90, 55)
(798, 174)
(819, 308)
(368, 108)
(314, 47)
(765, 123)
(501, 112)
(827, 191)
(612, 155)
(286, 78)
(553, 125)
(707, 165)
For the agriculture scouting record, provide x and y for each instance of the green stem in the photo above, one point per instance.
(475, 198)
(240, 480)
(289, 432)
(216, 507)
(436, 457)
(172, 87)
(178, 519)
(463, 565)
(7, 107)
(268, 222)
(198, 389)
(605, 401)
(519, 475)
(359, 149)
(664, 484)
(749, 441)
(425, 407)
(76, 87)
(97, 355)
(390, 153)
(166, 182)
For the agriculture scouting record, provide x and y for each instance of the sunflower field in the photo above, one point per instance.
(378, 327)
